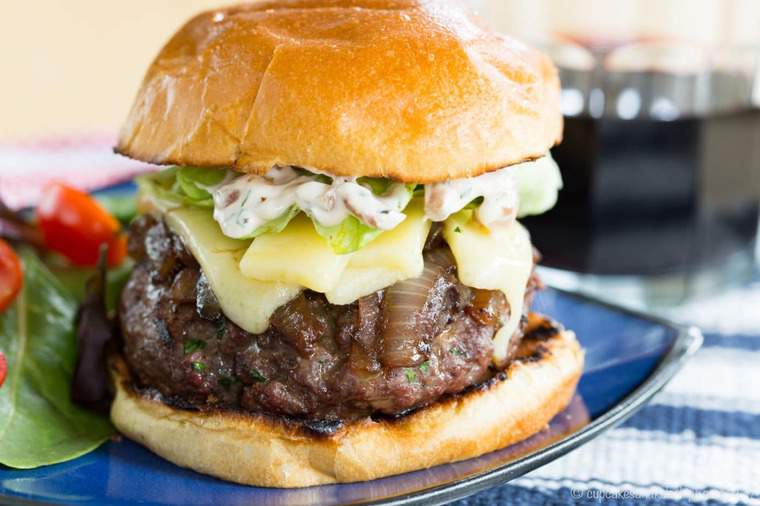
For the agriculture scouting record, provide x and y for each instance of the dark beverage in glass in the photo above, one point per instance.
(661, 186)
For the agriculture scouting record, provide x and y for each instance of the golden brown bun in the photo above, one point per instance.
(414, 90)
(257, 450)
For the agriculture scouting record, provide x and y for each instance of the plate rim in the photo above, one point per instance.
(687, 342)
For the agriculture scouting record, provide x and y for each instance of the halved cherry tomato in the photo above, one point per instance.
(3, 368)
(11, 275)
(75, 225)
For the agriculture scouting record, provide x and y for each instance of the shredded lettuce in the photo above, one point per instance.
(194, 181)
(276, 225)
(352, 234)
(538, 184)
(377, 185)
(187, 186)
(182, 185)
(348, 236)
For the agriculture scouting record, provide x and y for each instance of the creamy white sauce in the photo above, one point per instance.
(242, 204)
(245, 203)
(498, 190)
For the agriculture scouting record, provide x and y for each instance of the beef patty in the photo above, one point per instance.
(387, 353)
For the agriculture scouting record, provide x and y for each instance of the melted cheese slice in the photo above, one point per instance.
(247, 302)
(300, 256)
(499, 259)
(358, 282)
(393, 256)
(296, 255)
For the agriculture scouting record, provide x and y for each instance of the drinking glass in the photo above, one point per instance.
(661, 150)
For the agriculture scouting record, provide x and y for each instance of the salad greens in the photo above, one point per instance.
(39, 425)
(74, 280)
(122, 206)
(378, 185)
(95, 330)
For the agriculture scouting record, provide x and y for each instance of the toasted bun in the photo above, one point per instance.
(415, 90)
(262, 451)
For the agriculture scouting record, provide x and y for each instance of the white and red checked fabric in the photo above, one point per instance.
(85, 162)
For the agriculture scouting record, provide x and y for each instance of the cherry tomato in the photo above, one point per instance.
(117, 250)
(75, 225)
(11, 275)
(3, 368)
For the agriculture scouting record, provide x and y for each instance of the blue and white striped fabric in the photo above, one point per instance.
(697, 441)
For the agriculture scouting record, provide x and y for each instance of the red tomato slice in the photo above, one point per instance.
(3, 368)
(75, 225)
(11, 275)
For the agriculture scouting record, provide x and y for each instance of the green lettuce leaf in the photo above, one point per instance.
(182, 185)
(348, 236)
(352, 234)
(378, 185)
(538, 184)
(38, 423)
(186, 186)
(163, 185)
(192, 181)
(276, 225)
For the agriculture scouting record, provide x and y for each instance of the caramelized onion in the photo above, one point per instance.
(206, 304)
(435, 237)
(441, 257)
(183, 286)
(362, 363)
(488, 307)
(402, 339)
(303, 321)
(367, 312)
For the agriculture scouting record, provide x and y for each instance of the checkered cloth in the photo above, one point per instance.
(697, 441)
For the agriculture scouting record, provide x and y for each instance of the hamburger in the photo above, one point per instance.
(331, 281)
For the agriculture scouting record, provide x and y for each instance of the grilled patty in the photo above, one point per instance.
(316, 361)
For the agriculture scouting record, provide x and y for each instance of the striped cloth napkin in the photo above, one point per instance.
(697, 441)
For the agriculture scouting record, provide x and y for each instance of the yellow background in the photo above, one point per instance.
(73, 66)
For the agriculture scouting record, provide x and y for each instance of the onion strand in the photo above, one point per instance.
(403, 339)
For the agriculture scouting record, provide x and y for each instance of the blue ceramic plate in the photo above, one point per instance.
(629, 357)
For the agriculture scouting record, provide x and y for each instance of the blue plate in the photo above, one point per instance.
(629, 357)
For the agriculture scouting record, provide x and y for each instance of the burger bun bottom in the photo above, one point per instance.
(269, 451)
